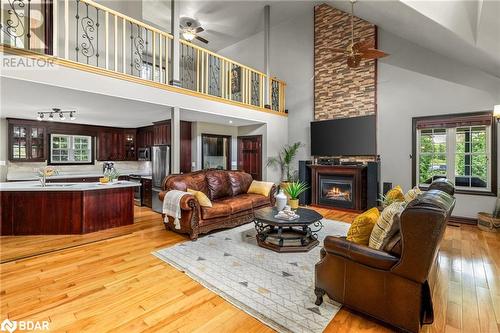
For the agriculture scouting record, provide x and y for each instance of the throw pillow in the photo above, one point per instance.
(202, 198)
(362, 226)
(393, 195)
(386, 225)
(262, 188)
(412, 194)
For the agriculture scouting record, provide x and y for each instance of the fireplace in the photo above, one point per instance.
(339, 186)
(336, 191)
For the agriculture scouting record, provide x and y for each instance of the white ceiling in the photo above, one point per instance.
(465, 30)
(93, 109)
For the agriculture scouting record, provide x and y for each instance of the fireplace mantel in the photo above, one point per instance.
(355, 172)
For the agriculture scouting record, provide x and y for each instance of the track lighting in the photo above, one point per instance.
(61, 115)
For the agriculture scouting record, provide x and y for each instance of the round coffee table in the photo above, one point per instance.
(299, 235)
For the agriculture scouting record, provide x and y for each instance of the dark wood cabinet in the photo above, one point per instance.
(145, 137)
(27, 142)
(130, 144)
(147, 192)
(185, 166)
(162, 133)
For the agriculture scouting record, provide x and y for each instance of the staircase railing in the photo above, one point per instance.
(89, 33)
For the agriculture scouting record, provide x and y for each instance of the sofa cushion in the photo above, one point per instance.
(219, 185)
(240, 181)
(202, 198)
(237, 204)
(195, 181)
(218, 209)
(257, 199)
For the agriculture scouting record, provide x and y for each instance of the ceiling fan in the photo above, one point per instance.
(355, 52)
(190, 28)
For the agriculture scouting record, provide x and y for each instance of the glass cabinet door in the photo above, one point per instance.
(37, 142)
(19, 142)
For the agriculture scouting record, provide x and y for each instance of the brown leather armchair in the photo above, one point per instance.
(390, 285)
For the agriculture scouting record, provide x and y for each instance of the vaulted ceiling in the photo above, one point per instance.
(465, 30)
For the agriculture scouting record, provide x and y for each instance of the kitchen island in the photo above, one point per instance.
(27, 208)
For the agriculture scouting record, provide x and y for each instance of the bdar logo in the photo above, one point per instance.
(8, 325)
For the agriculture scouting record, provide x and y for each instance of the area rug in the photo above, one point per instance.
(275, 288)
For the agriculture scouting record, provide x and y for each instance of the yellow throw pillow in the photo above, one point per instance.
(412, 194)
(386, 226)
(262, 188)
(362, 226)
(202, 198)
(394, 194)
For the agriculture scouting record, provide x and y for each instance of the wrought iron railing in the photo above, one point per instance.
(86, 32)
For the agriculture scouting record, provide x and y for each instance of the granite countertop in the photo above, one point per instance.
(36, 186)
(74, 175)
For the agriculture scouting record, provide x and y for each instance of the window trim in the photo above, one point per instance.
(71, 136)
(492, 170)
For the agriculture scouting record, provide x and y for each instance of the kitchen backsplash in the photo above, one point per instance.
(28, 169)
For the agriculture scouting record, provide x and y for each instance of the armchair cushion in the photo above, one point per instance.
(387, 225)
(359, 253)
(362, 226)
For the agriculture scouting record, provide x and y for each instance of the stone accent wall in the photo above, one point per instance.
(340, 91)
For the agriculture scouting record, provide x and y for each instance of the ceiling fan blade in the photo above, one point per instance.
(373, 54)
(361, 46)
(199, 29)
(201, 39)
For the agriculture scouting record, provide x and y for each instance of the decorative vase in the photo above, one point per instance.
(281, 200)
(294, 203)
(43, 180)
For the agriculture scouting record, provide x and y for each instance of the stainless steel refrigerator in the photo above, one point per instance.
(160, 160)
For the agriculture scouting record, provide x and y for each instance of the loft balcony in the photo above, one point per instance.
(88, 36)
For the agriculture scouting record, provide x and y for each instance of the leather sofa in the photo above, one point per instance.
(231, 205)
(393, 285)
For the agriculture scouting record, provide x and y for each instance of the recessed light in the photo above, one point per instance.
(230, 121)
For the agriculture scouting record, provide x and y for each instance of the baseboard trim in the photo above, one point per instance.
(462, 220)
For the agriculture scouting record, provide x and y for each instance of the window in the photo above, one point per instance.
(70, 149)
(461, 148)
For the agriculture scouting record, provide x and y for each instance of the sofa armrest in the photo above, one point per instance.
(359, 253)
(187, 201)
(272, 194)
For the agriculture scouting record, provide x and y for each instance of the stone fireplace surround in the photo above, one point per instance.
(347, 176)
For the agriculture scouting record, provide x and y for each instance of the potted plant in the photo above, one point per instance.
(294, 189)
(284, 161)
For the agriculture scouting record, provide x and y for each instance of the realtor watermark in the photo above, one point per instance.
(23, 325)
(22, 63)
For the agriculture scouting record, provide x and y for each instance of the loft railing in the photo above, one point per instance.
(86, 32)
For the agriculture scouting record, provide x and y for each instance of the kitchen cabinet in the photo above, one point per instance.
(147, 192)
(116, 145)
(27, 142)
(145, 137)
(162, 134)
(130, 144)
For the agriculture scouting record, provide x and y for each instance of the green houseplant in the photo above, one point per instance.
(284, 161)
(294, 189)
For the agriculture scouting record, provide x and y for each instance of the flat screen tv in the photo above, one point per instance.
(344, 137)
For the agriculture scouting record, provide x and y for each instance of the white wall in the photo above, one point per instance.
(412, 81)
(292, 60)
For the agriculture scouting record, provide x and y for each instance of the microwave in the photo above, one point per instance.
(144, 154)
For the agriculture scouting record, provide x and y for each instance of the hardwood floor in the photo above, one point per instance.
(116, 285)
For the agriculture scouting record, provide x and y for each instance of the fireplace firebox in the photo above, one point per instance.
(336, 191)
(339, 186)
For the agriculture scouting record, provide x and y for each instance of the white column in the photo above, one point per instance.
(267, 38)
(175, 133)
(174, 19)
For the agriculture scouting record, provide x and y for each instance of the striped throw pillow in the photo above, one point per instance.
(412, 194)
(386, 226)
